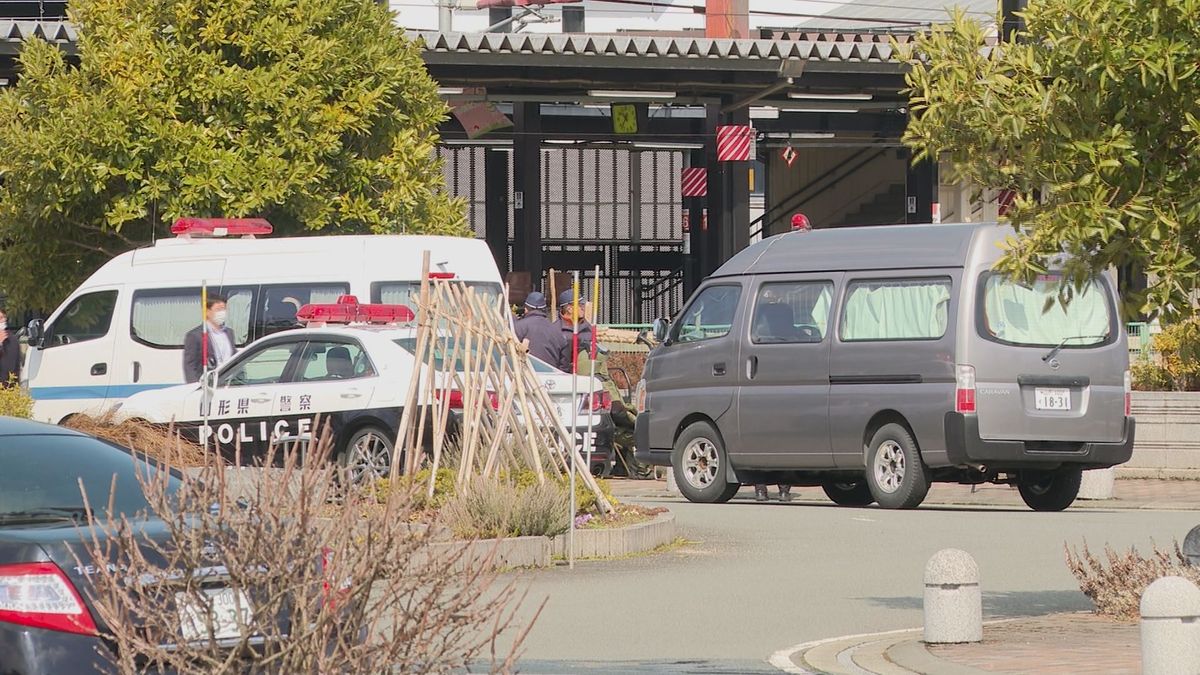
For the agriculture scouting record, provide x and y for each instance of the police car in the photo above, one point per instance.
(352, 371)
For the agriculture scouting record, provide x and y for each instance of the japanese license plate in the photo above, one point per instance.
(225, 604)
(1052, 399)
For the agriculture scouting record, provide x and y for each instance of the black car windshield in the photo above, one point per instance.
(42, 474)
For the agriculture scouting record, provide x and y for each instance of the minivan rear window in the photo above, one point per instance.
(1031, 315)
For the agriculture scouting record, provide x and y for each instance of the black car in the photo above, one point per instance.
(47, 623)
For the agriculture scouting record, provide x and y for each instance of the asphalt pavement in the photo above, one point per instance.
(758, 579)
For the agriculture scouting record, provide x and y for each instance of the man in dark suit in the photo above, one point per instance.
(10, 353)
(213, 337)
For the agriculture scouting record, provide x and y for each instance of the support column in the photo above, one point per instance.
(573, 20)
(497, 15)
(739, 196)
(496, 205)
(921, 191)
(527, 190)
(694, 238)
(718, 212)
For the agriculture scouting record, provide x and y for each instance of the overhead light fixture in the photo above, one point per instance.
(606, 93)
(764, 113)
(450, 91)
(796, 135)
(829, 97)
(821, 110)
(668, 146)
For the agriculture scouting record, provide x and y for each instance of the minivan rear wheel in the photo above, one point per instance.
(699, 463)
(849, 493)
(1049, 490)
(897, 477)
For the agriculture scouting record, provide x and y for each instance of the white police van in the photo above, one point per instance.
(121, 332)
(351, 369)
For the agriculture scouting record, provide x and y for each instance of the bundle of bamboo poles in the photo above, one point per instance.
(465, 344)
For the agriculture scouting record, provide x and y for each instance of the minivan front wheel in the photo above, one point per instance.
(897, 477)
(1049, 490)
(699, 463)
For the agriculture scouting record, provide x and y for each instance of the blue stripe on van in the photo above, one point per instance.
(91, 392)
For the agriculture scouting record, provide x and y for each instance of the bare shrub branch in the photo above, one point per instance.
(1115, 585)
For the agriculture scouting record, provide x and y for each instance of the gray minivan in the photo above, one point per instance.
(875, 361)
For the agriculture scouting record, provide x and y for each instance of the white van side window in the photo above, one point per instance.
(87, 318)
(710, 315)
(406, 292)
(791, 312)
(896, 309)
(162, 317)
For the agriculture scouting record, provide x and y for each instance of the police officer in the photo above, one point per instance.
(545, 339)
(566, 307)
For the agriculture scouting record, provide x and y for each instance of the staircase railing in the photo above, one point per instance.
(801, 195)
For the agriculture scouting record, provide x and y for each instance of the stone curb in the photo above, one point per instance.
(1129, 472)
(620, 541)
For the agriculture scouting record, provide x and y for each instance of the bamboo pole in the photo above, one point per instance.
(410, 399)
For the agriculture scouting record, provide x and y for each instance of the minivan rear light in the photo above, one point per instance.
(38, 595)
(1128, 394)
(964, 389)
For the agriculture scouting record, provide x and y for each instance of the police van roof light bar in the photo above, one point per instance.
(347, 309)
(221, 227)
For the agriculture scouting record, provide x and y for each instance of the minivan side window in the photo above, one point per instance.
(791, 312)
(161, 317)
(88, 317)
(895, 309)
(278, 305)
(710, 315)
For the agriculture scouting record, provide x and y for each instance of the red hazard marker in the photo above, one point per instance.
(800, 222)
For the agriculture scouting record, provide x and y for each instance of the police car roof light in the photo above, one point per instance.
(347, 309)
(221, 227)
(442, 275)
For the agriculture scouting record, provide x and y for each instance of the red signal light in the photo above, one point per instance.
(349, 310)
(221, 227)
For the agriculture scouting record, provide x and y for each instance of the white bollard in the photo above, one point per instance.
(1191, 546)
(672, 486)
(1171, 627)
(1098, 483)
(953, 600)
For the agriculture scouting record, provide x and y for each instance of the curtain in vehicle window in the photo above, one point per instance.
(901, 309)
(407, 292)
(791, 312)
(1032, 315)
(161, 318)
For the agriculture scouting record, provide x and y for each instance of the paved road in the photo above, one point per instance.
(762, 578)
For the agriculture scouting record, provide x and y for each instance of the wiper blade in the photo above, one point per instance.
(75, 513)
(1054, 352)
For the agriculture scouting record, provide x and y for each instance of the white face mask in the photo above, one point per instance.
(219, 317)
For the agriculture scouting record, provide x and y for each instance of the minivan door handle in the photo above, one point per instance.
(137, 371)
(99, 369)
(719, 369)
(751, 367)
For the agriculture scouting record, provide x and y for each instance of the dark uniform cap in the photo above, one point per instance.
(536, 300)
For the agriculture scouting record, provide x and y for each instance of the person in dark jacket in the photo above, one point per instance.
(10, 353)
(566, 303)
(220, 341)
(545, 339)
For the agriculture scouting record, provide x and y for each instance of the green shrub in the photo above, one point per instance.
(443, 488)
(493, 508)
(1178, 347)
(15, 402)
(1149, 376)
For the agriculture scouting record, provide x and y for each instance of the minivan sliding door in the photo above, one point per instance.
(783, 375)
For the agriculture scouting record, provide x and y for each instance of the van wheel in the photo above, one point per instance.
(698, 461)
(897, 477)
(367, 456)
(1049, 490)
(844, 493)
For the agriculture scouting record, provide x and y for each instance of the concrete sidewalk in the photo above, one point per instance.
(1081, 644)
(1129, 493)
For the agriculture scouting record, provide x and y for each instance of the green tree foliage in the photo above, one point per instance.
(1092, 118)
(316, 114)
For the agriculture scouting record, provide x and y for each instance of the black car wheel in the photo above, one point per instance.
(897, 477)
(367, 455)
(1049, 490)
(855, 493)
(699, 463)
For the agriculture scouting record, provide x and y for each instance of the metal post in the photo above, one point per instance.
(573, 19)
(574, 413)
(592, 353)
(445, 16)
